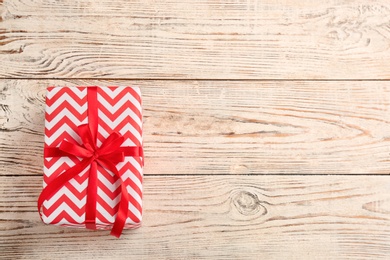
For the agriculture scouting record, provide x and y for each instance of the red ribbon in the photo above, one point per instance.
(107, 156)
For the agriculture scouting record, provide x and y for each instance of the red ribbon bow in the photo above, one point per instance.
(107, 156)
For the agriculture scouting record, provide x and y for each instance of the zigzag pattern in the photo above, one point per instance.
(119, 110)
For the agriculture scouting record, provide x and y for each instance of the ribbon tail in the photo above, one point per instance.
(122, 213)
(121, 216)
(55, 185)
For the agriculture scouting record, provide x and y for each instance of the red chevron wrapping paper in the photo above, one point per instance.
(119, 109)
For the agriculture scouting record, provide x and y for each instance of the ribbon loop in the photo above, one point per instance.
(74, 149)
(112, 143)
(87, 136)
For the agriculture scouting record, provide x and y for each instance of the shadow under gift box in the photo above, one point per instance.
(118, 110)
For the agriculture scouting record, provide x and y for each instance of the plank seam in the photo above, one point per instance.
(222, 174)
(199, 79)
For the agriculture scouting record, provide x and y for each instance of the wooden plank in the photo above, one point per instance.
(217, 217)
(267, 39)
(223, 127)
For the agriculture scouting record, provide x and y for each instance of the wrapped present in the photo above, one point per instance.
(93, 158)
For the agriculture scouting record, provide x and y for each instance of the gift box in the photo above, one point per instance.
(93, 158)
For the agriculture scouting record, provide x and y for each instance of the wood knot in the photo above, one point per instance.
(379, 206)
(248, 204)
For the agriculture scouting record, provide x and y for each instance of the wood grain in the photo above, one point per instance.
(217, 217)
(223, 127)
(211, 39)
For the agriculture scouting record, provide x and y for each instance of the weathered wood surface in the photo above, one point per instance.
(242, 169)
(217, 217)
(268, 39)
(222, 127)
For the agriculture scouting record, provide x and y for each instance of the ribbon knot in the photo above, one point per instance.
(95, 155)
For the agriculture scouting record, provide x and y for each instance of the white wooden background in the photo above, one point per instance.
(266, 124)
